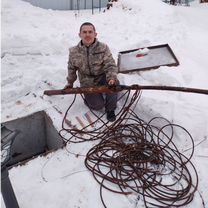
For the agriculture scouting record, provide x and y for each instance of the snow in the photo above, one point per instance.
(34, 51)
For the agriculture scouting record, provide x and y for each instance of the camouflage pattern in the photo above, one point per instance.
(91, 63)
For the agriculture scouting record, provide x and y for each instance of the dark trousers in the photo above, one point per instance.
(97, 101)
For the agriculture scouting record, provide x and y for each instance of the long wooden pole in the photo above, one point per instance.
(107, 89)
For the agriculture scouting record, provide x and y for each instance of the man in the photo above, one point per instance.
(96, 66)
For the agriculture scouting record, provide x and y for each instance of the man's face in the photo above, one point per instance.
(87, 35)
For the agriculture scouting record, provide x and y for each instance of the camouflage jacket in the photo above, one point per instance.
(91, 63)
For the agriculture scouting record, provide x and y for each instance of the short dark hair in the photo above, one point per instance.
(88, 24)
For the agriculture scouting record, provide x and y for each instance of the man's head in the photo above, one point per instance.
(87, 33)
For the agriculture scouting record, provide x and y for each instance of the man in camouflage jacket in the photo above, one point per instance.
(95, 66)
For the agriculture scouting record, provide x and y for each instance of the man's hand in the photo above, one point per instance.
(68, 86)
(112, 82)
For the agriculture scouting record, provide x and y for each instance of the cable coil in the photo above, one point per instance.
(135, 157)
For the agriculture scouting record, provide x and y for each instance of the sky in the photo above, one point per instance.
(34, 55)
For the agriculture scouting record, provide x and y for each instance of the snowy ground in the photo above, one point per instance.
(34, 55)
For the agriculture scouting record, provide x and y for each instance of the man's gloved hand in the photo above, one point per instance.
(67, 86)
(112, 82)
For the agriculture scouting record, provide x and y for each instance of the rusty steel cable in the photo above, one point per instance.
(140, 158)
(133, 157)
(75, 135)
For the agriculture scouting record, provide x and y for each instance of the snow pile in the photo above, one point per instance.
(35, 46)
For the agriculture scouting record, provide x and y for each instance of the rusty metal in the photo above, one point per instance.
(132, 156)
(80, 122)
(126, 162)
(80, 90)
(108, 89)
(69, 123)
(89, 119)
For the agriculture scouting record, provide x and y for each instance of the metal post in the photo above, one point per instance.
(92, 7)
(7, 191)
(99, 5)
(7, 139)
(78, 5)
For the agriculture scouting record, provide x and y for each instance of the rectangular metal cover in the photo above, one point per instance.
(146, 58)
